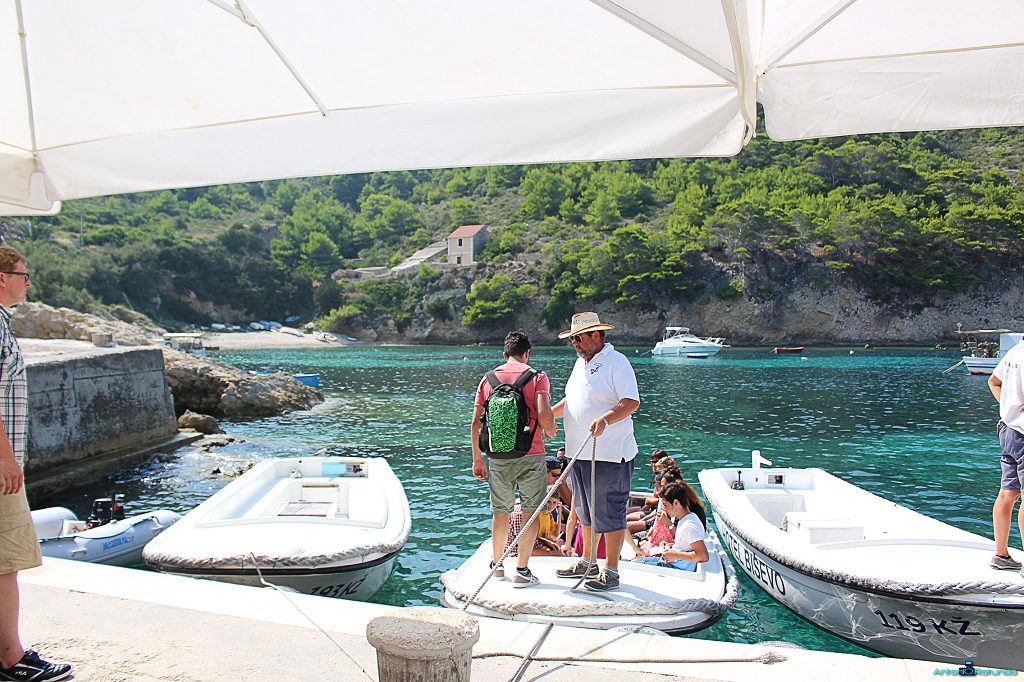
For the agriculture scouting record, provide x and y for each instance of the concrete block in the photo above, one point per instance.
(424, 644)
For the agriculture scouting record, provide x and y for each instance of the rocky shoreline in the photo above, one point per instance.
(200, 385)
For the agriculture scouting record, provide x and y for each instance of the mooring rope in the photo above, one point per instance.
(500, 562)
(766, 657)
(287, 596)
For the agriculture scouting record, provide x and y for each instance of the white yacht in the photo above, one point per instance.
(679, 341)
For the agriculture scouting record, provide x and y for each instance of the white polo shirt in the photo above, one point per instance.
(1011, 394)
(594, 388)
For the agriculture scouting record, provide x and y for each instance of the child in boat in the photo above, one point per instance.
(640, 521)
(688, 549)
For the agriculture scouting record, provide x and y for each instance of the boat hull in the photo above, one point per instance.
(357, 582)
(980, 366)
(328, 526)
(946, 630)
(685, 349)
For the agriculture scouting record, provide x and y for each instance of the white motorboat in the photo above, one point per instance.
(326, 337)
(668, 599)
(679, 341)
(113, 541)
(867, 569)
(329, 526)
(981, 352)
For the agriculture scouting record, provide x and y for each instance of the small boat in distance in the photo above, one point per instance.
(326, 337)
(186, 342)
(679, 341)
(106, 537)
(867, 569)
(980, 349)
(328, 526)
(788, 349)
(311, 380)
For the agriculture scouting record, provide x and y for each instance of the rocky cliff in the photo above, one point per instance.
(802, 314)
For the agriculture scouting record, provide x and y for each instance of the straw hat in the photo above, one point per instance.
(584, 322)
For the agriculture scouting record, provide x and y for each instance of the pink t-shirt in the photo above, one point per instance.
(540, 383)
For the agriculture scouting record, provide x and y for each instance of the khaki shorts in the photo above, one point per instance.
(528, 473)
(19, 546)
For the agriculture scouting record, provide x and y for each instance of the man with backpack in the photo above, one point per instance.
(511, 417)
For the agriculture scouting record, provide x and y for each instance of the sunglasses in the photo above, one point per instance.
(576, 338)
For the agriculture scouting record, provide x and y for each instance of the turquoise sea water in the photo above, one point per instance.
(887, 420)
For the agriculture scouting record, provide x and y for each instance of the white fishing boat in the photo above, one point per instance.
(981, 351)
(112, 541)
(679, 341)
(867, 569)
(668, 599)
(329, 526)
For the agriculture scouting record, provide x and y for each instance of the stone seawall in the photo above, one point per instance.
(88, 402)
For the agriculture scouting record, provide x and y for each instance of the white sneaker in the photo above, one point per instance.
(520, 579)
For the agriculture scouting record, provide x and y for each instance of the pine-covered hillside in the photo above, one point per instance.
(904, 219)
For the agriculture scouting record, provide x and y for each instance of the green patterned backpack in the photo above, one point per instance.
(506, 432)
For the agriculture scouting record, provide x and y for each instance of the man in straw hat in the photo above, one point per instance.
(600, 397)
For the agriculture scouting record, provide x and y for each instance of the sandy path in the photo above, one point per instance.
(256, 340)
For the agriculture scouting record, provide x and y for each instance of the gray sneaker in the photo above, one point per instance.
(520, 579)
(579, 569)
(1004, 563)
(608, 580)
(499, 573)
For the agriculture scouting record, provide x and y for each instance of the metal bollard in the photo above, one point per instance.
(424, 644)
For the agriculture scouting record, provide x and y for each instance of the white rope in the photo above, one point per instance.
(500, 562)
(298, 608)
(770, 656)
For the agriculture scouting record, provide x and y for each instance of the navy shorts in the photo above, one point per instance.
(1012, 443)
(613, 480)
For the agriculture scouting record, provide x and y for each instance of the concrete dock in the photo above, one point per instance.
(118, 624)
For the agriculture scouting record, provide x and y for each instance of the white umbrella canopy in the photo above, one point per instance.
(110, 96)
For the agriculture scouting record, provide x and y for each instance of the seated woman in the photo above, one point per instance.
(688, 549)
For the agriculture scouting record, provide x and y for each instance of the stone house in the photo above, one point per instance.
(464, 243)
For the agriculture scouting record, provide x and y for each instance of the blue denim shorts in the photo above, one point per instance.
(613, 480)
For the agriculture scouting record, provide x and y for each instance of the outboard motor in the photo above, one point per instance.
(738, 483)
(105, 510)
